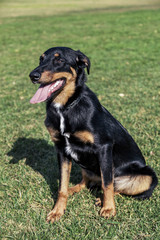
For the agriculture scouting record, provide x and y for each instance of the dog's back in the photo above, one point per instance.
(84, 131)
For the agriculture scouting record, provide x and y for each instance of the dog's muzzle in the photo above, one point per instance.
(34, 76)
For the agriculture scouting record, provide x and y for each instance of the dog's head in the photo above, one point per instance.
(59, 72)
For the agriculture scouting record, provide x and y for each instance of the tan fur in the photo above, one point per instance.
(53, 133)
(77, 188)
(108, 195)
(61, 203)
(56, 54)
(58, 209)
(84, 136)
(132, 185)
(86, 178)
(65, 94)
(65, 174)
(108, 209)
(68, 89)
(48, 77)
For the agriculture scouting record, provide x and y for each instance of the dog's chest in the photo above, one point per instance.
(68, 148)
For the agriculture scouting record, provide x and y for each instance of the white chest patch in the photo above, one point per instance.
(62, 123)
(68, 149)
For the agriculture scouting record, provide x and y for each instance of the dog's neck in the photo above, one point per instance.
(72, 101)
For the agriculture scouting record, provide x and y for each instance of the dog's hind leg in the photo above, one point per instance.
(77, 188)
(105, 160)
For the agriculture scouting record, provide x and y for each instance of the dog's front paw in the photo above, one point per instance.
(55, 215)
(107, 212)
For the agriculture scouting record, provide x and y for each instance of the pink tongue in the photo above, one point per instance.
(45, 91)
(41, 95)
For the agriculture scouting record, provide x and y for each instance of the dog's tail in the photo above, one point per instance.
(136, 180)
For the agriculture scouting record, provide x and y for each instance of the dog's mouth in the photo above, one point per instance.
(44, 92)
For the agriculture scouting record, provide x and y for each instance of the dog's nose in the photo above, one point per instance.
(34, 76)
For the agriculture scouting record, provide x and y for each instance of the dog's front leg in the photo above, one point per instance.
(105, 160)
(60, 206)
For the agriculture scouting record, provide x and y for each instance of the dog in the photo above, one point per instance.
(85, 132)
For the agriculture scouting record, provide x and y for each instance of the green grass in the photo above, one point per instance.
(124, 52)
(10, 8)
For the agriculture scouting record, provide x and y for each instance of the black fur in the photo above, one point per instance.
(114, 152)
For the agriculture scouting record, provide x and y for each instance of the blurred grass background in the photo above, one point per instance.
(10, 8)
(122, 40)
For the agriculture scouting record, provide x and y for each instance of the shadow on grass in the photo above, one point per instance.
(42, 158)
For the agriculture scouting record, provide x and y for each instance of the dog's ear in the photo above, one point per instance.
(83, 61)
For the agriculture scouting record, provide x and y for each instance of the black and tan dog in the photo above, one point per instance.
(84, 131)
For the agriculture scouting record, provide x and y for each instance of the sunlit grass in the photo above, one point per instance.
(17, 8)
(124, 53)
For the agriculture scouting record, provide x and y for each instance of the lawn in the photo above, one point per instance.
(123, 47)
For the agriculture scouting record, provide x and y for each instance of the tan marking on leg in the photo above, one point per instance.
(117, 193)
(65, 175)
(53, 133)
(99, 201)
(61, 203)
(70, 167)
(77, 188)
(84, 136)
(59, 208)
(108, 209)
(132, 185)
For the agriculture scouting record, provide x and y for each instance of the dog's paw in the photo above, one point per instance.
(72, 190)
(107, 212)
(55, 215)
(77, 188)
(98, 202)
